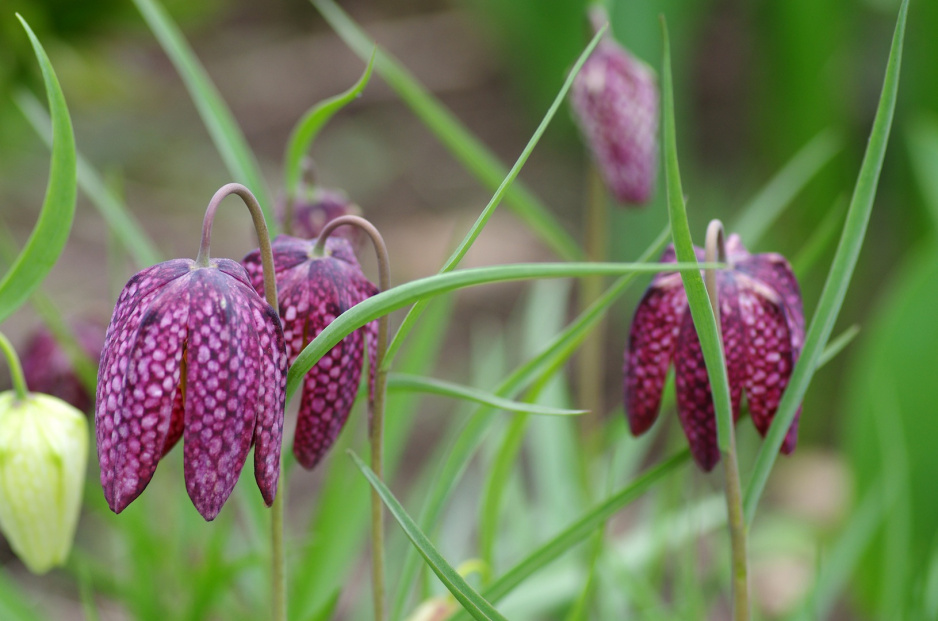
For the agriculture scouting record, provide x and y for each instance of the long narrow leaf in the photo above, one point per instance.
(578, 531)
(697, 298)
(456, 584)
(408, 293)
(402, 381)
(414, 314)
(307, 128)
(464, 146)
(218, 119)
(838, 278)
(126, 228)
(48, 238)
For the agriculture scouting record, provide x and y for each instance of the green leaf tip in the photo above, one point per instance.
(52, 228)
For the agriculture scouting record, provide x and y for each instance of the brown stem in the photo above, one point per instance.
(376, 429)
(716, 251)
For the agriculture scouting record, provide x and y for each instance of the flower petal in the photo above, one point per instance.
(775, 272)
(694, 400)
(137, 389)
(652, 339)
(222, 379)
(268, 430)
(770, 358)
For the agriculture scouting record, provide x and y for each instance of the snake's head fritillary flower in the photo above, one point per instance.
(313, 291)
(615, 102)
(762, 323)
(49, 370)
(43, 453)
(191, 352)
(313, 210)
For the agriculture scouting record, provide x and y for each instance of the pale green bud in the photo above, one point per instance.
(43, 452)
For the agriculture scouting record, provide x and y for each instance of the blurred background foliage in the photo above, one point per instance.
(755, 82)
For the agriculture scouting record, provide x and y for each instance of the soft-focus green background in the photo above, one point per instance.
(755, 81)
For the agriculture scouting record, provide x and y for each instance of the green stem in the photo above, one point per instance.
(376, 428)
(278, 563)
(716, 251)
(16, 370)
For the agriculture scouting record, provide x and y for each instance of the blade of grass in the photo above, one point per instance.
(403, 381)
(455, 454)
(307, 128)
(578, 531)
(127, 229)
(837, 345)
(51, 231)
(413, 291)
(470, 599)
(838, 279)
(766, 207)
(495, 483)
(217, 117)
(453, 261)
(464, 146)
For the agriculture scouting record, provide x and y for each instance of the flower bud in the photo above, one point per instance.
(43, 451)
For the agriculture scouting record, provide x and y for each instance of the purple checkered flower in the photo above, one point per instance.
(191, 352)
(313, 291)
(48, 369)
(315, 209)
(762, 323)
(615, 102)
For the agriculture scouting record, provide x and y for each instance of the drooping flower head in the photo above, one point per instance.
(762, 323)
(48, 368)
(191, 352)
(312, 210)
(43, 453)
(616, 105)
(314, 290)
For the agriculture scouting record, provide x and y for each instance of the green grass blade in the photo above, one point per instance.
(218, 119)
(48, 238)
(127, 229)
(414, 314)
(496, 481)
(837, 345)
(838, 278)
(578, 531)
(765, 208)
(307, 128)
(697, 298)
(408, 293)
(403, 381)
(464, 146)
(456, 584)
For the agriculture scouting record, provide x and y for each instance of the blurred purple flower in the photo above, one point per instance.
(762, 323)
(312, 212)
(616, 104)
(48, 369)
(313, 291)
(191, 352)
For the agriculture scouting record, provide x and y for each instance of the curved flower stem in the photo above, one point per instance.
(16, 370)
(376, 427)
(715, 250)
(278, 560)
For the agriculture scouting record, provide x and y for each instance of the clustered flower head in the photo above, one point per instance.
(616, 105)
(43, 453)
(315, 208)
(762, 323)
(48, 368)
(192, 352)
(313, 290)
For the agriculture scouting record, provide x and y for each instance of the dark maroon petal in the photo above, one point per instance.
(329, 391)
(136, 393)
(615, 103)
(364, 289)
(770, 357)
(734, 338)
(310, 214)
(652, 339)
(47, 367)
(268, 431)
(774, 271)
(694, 400)
(222, 380)
(294, 310)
